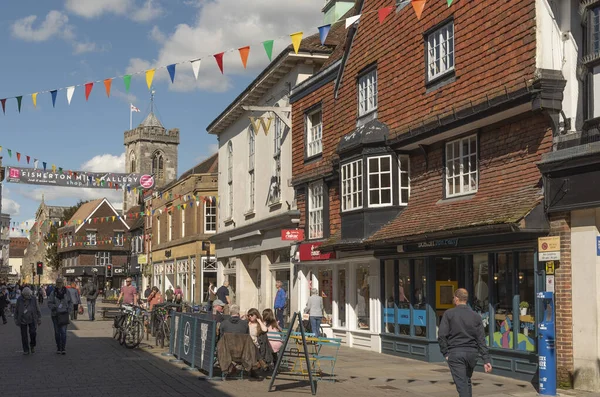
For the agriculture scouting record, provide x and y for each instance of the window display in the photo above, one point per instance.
(361, 307)
(480, 297)
(325, 278)
(341, 290)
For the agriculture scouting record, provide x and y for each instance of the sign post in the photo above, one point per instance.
(547, 346)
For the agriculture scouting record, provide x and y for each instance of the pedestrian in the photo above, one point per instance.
(128, 293)
(314, 308)
(147, 292)
(154, 298)
(41, 293)
(462, 340)
(4, 303)
(75, 298)
(60, 305)
(280, 301)
(178, 295)
(169, 294)
(223, 296)
(90, 291)
(28, 317)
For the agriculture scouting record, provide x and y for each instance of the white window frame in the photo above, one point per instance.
(210, 227)
(119, 239)
(275, 188)
(459, 165)
(315, 210)
(182, 212)
(403, 187)
(103, 258)
(352, 185)
(230, 180)
(314, 133)
(440, 51)
(367, 93)
(251, 190)
(170, 225)
(594, 30)
(251, 174)
(157, 230)
(379, 188)
(91, 238)
(70, 239)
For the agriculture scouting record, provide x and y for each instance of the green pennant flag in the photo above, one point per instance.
(9, 152)
(449, 3)
(127, 81)
(268, 48)
(19, 99)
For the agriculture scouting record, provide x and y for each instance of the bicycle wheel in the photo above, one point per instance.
(134, 334)
(160, 339)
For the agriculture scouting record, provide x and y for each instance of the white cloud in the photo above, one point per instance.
(221, 25)
(10, 206)
(210, 150)
(56, 24)
(126, 97)
(105, 163)
(24, 226)
(139, 12)
(81, 47)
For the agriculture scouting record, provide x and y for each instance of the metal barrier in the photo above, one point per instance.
(193, 340)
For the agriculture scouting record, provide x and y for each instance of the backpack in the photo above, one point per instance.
(27, 317)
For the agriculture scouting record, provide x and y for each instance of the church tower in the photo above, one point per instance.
(150, 149)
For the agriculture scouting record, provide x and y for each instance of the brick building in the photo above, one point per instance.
(95, 237)
(183, 218)
(428, 178)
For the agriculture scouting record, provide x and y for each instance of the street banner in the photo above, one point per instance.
(101, 180)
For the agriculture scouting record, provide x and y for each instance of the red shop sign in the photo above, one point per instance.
(310, 252)
(292, 234)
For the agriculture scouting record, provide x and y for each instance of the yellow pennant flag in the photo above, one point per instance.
(113, 218)
(53, 168)
(34, 99)
(150, 77)
(296, 39)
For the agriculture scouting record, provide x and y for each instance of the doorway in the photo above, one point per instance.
(448, 272)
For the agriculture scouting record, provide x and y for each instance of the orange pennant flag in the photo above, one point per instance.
(18, 156)
(107, 84)
(244, 51)
(418, 6)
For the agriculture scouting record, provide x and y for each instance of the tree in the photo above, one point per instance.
(51, 238)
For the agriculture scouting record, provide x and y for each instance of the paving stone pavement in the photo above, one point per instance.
(96, 365)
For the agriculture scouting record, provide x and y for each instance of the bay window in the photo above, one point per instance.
(379, 171)
(352, 192)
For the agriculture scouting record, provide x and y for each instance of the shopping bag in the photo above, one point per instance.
(80, 309)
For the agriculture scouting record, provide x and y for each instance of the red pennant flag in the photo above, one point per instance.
(3, 101)
(18, 156)
(244, 51)
(29, 158)
(418, 6)
(88, 90)
(384, 12)
(219, 59)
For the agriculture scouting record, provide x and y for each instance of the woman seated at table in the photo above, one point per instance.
(258, 333)
(272, 326)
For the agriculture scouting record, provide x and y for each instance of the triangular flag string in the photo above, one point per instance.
(127, 82)
(88, 90)
(384, 12)
(268, 46)
(150, 77)
(244, 52)
(418, 6)
(70, 91)
(196, 67)
(19, 100)
(296, 39)
(171, 69)
(323, 32)
(219, 59)
(352, 20)
(34, 99)
(107, 86)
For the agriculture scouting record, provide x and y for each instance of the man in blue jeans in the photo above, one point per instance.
(279, 305)
(90, 292)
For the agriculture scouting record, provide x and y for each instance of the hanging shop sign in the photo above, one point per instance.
(292, 234)
(104, 180)
(310, 252)
(549, 248)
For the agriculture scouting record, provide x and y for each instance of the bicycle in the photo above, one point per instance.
(129, 327)
(162, 323)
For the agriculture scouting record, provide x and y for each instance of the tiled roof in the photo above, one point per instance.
(151, 121)
(85, 210)
(208, 166)
(421, 218)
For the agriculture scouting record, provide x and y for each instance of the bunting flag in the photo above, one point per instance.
(35, 163)
(34, 99)
(70, 91)
(268, 45)
(88, 90)
(44, 164)
(19, 100)
(150, 77)
(196, 67)
(244, 52)
(3, 101)
(127, 82)
(352, 20)
(323, 32)
(107, 85)
(171, 69)
(9, 152)
(53, 93)
(18, 156)
(418, 6)
(449, 3)
(296, 39)
(219, 59)
(384, 12)
(28, 158)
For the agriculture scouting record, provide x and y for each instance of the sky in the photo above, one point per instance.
(55, 44)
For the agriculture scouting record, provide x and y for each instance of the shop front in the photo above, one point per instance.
(502, 277)
(349, 286)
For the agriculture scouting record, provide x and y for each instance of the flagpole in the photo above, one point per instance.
(130, 116)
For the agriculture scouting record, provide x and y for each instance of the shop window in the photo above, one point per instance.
(325, 278)
(480, 296)
(419, 298)
(502, 296)
(389, 320)
(362, 310)
(526, 285)
(341, 321)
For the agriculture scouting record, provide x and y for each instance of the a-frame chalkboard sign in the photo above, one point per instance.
(296, 317)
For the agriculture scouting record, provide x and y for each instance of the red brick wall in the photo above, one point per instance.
(560, 225)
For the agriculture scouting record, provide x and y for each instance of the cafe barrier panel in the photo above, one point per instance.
(193, 340)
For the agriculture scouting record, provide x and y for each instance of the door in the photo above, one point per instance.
(447, 276)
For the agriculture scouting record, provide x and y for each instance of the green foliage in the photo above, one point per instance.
(51, 238)
(524, 305)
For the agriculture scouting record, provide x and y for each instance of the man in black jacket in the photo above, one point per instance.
(462, 340)
(90, 292)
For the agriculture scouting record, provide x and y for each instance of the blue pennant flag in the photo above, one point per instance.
(44, 163)
(53, 93)
(171, 69)
(323, 32)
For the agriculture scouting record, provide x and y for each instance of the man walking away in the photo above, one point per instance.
(279, 305)
(4, 302)
(90, 291)
(462, 340)
(41, 293)
(169, 294)
(223, 296)
(60, 304)
(27, 315)
(75, 298)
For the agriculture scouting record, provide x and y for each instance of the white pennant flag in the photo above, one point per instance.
(196, 67)
(35, 164)
(70, 91)
(351, 20)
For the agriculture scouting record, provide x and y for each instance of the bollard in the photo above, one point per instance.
(547, 346)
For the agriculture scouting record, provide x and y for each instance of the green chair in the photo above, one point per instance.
(332, 347)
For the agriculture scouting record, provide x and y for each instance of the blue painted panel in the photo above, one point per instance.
(420, 316)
